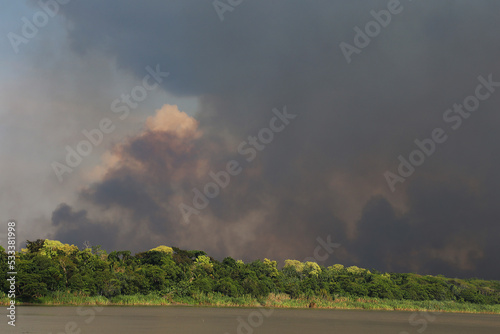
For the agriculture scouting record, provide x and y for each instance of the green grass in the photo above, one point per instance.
(65, 298)
(379, 304)
(272, 301)
(136, 300)
(4, 300)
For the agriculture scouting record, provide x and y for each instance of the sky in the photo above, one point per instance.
(257, 129)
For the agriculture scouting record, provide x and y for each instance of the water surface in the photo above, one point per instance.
(46, 319)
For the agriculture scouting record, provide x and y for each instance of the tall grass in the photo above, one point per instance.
(4, 300)
(281, 300)
(66, 298)
(143, 300)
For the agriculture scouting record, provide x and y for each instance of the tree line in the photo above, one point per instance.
(48, 266)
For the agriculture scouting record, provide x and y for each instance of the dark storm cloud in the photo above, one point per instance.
(323, 175)
(70, 222)
(442, 232)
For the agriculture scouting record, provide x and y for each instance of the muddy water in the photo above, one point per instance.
(197, 320)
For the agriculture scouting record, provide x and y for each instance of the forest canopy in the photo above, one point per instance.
(49, 266)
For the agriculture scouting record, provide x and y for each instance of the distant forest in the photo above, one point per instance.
(48, 266)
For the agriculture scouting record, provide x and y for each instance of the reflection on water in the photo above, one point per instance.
(56, 320)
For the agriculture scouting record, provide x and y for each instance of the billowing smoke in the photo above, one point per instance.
(323, 173)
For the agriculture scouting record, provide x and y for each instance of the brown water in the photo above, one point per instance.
(77, 320)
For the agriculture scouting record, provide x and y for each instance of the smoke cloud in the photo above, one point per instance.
(324, 173)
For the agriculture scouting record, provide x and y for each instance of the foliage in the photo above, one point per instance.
(51, 269)
(164, 249)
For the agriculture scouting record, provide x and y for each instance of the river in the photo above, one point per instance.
(178, 320)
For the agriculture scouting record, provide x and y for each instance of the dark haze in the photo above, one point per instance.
(324, 173)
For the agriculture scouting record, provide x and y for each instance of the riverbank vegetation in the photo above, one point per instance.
(53, 273)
